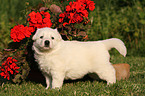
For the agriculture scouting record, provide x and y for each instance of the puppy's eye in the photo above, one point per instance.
(41, 37)
(52, 37)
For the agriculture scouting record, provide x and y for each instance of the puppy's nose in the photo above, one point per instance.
(46, 43)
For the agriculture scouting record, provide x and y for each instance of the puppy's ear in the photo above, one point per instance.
(56, 30)
(35, 35)
(58, 34)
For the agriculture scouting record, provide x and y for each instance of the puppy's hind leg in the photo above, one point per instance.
(108, 73)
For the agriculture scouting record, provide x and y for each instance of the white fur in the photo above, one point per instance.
(73, 59)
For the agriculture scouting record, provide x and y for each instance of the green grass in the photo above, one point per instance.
(134, 86)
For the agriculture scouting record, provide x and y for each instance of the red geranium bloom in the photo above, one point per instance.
(65, 23)
(19, 32)
(76, 12)
(88, 4)
(5, 75)
(9, 66)
(39, 19)
(91, 5)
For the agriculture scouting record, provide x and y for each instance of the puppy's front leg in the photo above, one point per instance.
(57, 80)
(48, 80)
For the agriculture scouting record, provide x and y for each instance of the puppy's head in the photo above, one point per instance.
(46, 38)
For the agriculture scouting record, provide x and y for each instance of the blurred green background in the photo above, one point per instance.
(123, 19)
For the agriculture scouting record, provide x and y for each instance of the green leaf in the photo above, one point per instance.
(142, 15)
(127, 29)
(142, 21)
(17, 78)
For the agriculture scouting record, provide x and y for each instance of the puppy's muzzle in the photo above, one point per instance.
(47, 42)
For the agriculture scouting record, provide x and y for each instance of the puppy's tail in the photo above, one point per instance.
(115, 43)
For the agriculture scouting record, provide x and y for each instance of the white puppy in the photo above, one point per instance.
(59, 59)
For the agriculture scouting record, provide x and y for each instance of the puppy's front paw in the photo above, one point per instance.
(47, 87)
(57, 88)
(57, 82)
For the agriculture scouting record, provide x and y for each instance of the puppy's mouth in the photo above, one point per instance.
(44, 48)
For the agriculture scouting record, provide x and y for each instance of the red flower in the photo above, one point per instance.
(61, 20)
(62, 15)
(88, 4)
(68, 8)
(9, 66)
(19, 32)
(65, 23)
(91, 5)
(46, 14)
(5, 75)
(39, 19)
(76, 12)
